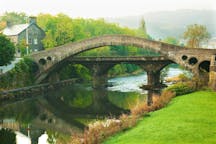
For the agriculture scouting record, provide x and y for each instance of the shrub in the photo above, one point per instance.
(163, 100)
(21, 75)
(100, 130)
(181, 88)
(127, 121)
(183, 77)
(158, 102)
(7, 136)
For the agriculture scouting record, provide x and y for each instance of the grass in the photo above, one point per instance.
(188, 119)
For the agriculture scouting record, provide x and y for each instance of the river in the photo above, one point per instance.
(69, 109)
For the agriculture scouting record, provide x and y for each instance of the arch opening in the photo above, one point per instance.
(204, 66)
(193, 61)
(42, 61)
(49, 58)
(69, 71)
(184, 57)
(124, 68)
(173, 73)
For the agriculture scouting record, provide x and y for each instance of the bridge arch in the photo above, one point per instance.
(49, 59)
(204, 66)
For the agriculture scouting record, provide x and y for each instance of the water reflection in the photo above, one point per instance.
(65, 110)
(69, 109)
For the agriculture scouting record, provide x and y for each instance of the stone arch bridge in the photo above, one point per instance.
(195, 60)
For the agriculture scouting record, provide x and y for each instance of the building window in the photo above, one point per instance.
(35, 41)
(29, 41)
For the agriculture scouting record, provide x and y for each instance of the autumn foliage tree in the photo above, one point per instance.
(195, 34)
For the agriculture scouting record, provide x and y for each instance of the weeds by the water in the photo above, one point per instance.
(100, 130)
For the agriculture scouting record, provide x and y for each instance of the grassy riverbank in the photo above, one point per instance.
(187, 119)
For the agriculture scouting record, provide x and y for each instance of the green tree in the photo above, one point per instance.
(142, 29)
(58, 29)
(7, 136)
(195, 34)
(171, 40)
(21, 46)
(13, 18)
(7, 50)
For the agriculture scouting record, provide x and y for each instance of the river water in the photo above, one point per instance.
(69, 109)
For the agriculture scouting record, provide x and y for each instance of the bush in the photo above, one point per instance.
(7, 136)
(181, 88)
(21, 75)
(7, 50)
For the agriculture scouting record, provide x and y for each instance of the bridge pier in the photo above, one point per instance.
(153, 77)
(212, 73)
(99, 75)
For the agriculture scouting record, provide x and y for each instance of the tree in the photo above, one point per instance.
(7, 136)
(195, 34)
(142, 29)
(21, 46)
(7, 50)
(58, 29)
(13, 18)
(171, 40)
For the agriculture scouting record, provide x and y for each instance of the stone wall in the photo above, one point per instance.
(212, 73)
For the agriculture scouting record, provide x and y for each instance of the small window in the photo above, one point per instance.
(35, 41)
(29, 41)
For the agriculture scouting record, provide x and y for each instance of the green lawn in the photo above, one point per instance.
(188, 119)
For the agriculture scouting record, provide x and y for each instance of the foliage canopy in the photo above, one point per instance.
(7, 50)
(7, 136)
(195, 34)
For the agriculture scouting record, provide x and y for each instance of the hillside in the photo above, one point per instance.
(170, 23)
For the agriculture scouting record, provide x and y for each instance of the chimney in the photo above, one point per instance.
(32, 20)
(9, 24)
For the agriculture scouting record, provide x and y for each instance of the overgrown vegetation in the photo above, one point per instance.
(181, 88)
(187, 85)
(7, 50)
(21, 75)
(7, 136)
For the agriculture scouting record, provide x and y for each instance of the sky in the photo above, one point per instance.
(101, 8)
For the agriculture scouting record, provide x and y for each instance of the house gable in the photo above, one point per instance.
(30, 32)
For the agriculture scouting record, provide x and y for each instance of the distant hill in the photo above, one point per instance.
(170, 23)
